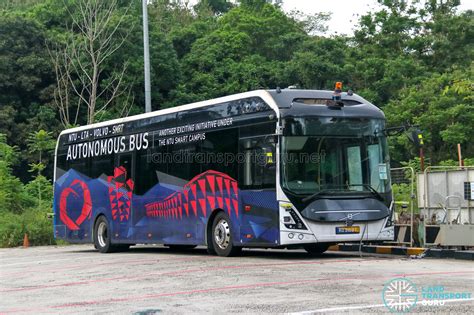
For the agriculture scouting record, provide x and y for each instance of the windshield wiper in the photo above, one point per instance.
(317, 194)
(371, 189)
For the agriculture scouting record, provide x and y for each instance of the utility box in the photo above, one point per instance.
(456, 235)
(446, 194)
(446, 202)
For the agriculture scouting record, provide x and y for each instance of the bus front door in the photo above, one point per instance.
(122, 203)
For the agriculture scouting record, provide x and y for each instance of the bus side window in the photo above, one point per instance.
(182, 162)
(61, 166)
(79, 166)
(258, 169)
(145, 170)
(102, 165)
(219, 151)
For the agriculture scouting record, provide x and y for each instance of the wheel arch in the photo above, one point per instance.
(210, 221)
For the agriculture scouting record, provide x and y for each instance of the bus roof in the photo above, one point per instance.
(265, 95)
(285, 97)
(276, 99)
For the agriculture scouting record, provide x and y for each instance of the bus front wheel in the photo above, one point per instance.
(222, 236)
(102, 235)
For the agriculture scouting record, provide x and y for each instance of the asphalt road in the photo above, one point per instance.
(153, 279)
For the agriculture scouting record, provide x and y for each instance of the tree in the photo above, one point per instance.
(313, 24)
(318, 64)
(168, 15)
(447, 37)
(247, 50)
(442, 106)
(217, 7)
(79, 64)
(12, 198)
(24, 71)
(16, 4)
(404, 41)
(26, 78)
(40, 142)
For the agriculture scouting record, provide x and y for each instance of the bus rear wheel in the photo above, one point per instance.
(316, 249)
(102, 235)
(222, 236)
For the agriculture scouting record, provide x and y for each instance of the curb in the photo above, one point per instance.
(465, 254)
(441, 253)
(405, 251)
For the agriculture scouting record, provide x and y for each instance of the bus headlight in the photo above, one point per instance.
(291, 220)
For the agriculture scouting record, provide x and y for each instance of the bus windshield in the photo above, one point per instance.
(333, 155)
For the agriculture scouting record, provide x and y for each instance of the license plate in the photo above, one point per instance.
(347, 229)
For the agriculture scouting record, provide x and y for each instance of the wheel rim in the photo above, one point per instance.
(102, 234)
(222, 234)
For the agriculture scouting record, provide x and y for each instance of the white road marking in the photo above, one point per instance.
(360, 307)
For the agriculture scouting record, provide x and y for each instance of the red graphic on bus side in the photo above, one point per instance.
(120, 194)
(207, 191)
(86, 206)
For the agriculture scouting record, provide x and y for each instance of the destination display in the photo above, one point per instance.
(178, 133)
(100, 144)
(108, 146)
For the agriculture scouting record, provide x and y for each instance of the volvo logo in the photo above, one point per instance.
(349, 218)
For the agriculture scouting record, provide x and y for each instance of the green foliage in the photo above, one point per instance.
(404, 43)
(402, 193)
(33, 222)
(467, 162)
(12, 197)
(317, 64)
(20, 211)
(215, 6)
(415, 163)
(444, 111)
(25, 80)
(40, 142)
(246, 50)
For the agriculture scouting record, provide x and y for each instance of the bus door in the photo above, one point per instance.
(257, 180)
(122, 205)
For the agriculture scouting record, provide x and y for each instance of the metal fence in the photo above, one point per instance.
(431, 207)
(404, 199)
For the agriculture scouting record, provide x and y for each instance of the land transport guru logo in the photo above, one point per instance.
(400, 295)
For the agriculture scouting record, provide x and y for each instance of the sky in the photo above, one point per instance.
(344, 13)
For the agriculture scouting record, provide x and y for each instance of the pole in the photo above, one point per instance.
(422, 159)
(460, 155)
(146, 57)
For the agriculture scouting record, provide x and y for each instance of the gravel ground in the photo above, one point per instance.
(154, 279)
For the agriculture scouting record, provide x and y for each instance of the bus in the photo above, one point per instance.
(282, 168)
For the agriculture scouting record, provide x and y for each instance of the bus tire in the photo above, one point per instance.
(316, 249)
(221, 233)
(102, 235)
